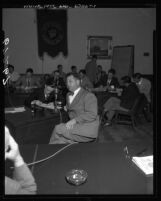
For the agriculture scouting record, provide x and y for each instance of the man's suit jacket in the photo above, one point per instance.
(102, 80)
(129, 96)
(23, 82)
(84, 110)
(22, 182)
(145, 87)
(113, 82)
(91, 70)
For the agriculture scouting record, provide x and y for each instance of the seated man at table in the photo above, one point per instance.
(112, 81)
(43, 95)
(23, 181)
(82, 110)
(28, 81)
(124, 102)
(14, 76)
(85, 82)
(143, 85)
(101, 77)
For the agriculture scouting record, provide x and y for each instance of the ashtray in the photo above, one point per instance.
(76, 177)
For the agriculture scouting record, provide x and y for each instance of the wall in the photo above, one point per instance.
(127, 26)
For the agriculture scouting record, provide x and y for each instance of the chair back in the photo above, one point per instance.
(139, 104)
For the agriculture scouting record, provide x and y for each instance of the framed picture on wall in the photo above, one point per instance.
(100, 46)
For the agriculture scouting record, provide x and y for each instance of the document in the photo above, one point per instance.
(145, 163)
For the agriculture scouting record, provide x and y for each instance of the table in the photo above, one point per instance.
(16, 98)
(29, 129)
(109, 171)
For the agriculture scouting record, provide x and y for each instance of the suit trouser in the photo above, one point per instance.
(63, 135)
(111, 105)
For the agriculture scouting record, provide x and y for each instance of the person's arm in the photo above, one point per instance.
(23, 182)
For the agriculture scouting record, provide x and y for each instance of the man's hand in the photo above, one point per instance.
(13, 153)
(70, 124)
(37, 102)
(65, 108)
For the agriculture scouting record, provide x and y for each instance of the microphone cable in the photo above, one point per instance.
(42, 160)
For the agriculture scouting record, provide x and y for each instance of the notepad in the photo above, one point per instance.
(145, 163)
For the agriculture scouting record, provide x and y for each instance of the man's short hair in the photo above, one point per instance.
(137, 75)
(29, 70)
(126, 79)
(11, 66)
(112, 71)
(94, 56)
(59, 65)
(75, 75)
(83, 71)
(72, 67)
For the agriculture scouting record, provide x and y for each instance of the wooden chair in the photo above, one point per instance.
(130, 116)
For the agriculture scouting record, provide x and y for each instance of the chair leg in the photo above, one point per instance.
(133, 121)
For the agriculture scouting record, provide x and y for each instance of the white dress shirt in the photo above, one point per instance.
(71, 97)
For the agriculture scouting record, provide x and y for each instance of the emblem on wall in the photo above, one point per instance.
(52, 33)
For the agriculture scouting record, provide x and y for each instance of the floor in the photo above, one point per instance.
(143, 133)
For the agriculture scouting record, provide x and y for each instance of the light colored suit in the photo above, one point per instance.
(22, 182)
(84, 110)
(144, 87)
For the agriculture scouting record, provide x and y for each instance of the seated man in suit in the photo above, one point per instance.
(143, 85)
(101, 77)
(61, 73)
(45, 94)
(112, 81)
(82, 109)
(14, 76)
(23, 181)
(124, 102)
(85, 82)
(28, 81)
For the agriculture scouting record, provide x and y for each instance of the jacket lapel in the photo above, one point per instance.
(76, 99)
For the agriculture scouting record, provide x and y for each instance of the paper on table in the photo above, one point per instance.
(145, 163)
(14, 110)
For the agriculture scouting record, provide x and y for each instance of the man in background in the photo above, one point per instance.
(74, 69)
(91, 69)
(23, 181)
(28, 81)
(101, 77)
(124, 101)
(143, 85)
(85, 82)
(61, 73)
(112, 81)
(14, 76)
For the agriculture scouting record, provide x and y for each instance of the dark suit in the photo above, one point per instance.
(114, 82)
(129, 96)
(84, 110)
(39, 94)
(101, 79)
(125, 102)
